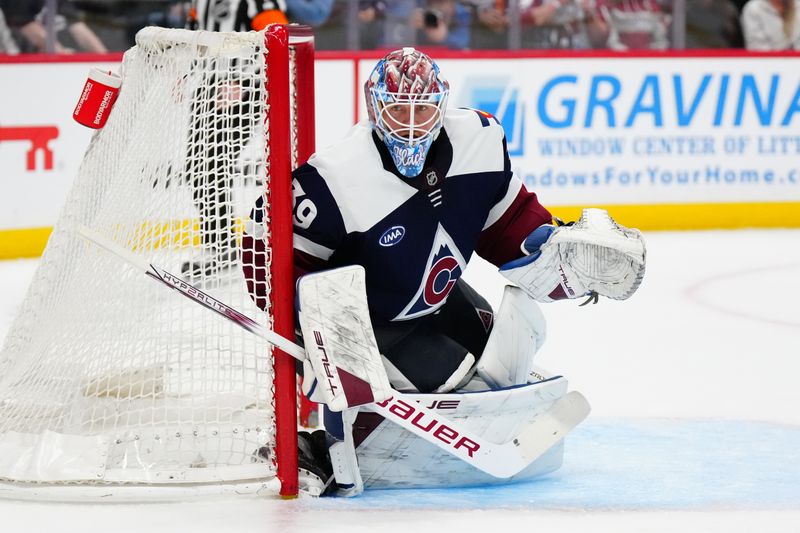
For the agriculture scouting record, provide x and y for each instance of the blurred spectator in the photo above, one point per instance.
(26, 19)
(310, 12)
(771, 24)
(410, 22)
(369, 11)
(491, 29)
(713, 24)
(173, 14)
(633, 24)
(7, 44)
(393, 17)
(568, 24)
(444, 22)
(492, 15)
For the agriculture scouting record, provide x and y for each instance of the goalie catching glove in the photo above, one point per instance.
(594, 256)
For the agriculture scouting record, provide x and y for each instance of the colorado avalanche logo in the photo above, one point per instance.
(445, 265)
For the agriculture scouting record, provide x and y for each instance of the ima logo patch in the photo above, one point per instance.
(445, 265)
(392, 236)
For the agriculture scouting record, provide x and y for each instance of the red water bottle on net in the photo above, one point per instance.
(97, 98)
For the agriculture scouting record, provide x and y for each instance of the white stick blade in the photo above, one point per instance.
(552, 426)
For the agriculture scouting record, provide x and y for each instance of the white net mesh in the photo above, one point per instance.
(106, 376)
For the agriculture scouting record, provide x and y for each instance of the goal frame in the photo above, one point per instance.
(288, 106)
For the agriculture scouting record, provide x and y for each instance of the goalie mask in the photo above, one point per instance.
(406, 100)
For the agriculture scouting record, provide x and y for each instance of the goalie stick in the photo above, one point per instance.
(498, 460)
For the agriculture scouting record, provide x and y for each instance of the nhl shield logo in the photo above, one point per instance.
(444, 266)
(432, 178)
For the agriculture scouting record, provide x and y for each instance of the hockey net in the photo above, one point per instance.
(114, 386)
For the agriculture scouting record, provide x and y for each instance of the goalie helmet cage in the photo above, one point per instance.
(111, 386)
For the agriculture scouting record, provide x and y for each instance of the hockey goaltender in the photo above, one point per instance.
(449, 394)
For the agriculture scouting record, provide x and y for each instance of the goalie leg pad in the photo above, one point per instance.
(390, 458)
(519, 331)
(540, 374)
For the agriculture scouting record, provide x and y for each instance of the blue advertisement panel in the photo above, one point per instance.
(644, 130)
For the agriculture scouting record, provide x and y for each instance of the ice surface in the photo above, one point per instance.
(695, 424)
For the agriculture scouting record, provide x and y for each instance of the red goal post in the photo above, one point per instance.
(297, 128)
